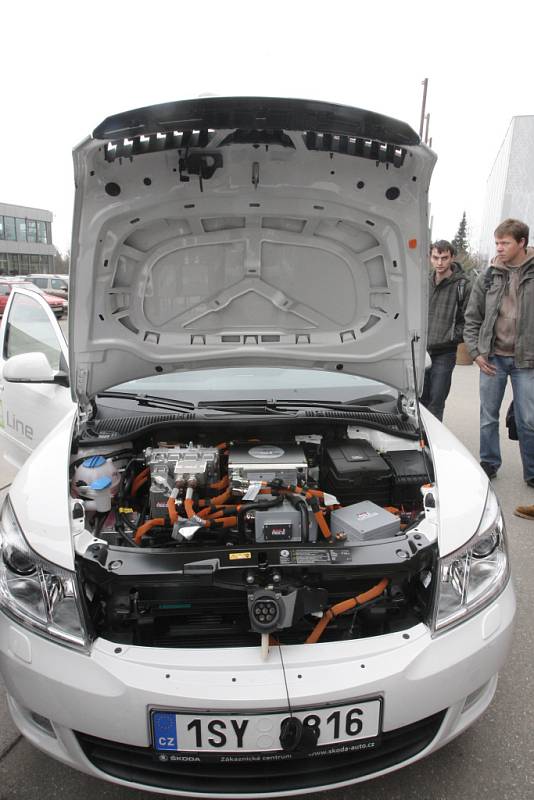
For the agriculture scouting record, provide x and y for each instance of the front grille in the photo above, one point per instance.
(138, 765)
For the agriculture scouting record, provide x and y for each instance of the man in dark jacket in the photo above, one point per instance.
(499, 334)
(448, 296)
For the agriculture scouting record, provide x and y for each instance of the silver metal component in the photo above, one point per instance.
(161, 481)
(181, 467)
(267, 462)
(185, 529)
(363, 522)
(184, 464)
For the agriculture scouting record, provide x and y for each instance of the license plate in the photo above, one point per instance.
(212, 734)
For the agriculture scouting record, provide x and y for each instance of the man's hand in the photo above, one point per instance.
(485, 365)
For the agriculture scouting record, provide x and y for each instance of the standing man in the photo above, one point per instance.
(448, 296)
(499, 333)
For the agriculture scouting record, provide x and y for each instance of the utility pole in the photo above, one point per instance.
(427, 120)
(423, 107)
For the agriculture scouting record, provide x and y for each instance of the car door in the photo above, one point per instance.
(58, 287)
(30, 410)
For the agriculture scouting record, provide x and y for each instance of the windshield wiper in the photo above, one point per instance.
(331, 405)
(279, 406)
(244, 406)
(150, 401)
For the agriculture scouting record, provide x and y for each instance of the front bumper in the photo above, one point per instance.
(441, 685)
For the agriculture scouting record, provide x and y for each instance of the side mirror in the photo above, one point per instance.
(32, 368)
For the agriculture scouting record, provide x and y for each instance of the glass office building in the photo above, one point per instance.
(509, 191)
(25, 240)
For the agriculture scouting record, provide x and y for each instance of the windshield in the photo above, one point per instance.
(262, 383)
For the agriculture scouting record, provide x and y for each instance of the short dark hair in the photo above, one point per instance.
(515, 228)
(442, 245)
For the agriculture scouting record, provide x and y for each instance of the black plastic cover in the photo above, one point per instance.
(256, 113)
(353, 466)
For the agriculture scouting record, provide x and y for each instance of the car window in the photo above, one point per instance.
(4, 289)
(57, 284)
(29, 330)
(39, 282)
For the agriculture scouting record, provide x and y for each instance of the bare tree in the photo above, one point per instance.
(62, 263)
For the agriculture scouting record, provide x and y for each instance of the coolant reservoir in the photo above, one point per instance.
(93, 469)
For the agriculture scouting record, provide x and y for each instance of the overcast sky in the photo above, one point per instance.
(66, 67)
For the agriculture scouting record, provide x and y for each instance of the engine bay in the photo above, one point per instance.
(296, 537)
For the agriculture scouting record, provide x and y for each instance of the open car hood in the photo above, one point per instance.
(239, 231)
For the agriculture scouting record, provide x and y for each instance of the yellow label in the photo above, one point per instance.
(238, 556)
(126, 510)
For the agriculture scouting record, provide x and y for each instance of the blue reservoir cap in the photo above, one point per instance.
(93, 462)
(100, 484)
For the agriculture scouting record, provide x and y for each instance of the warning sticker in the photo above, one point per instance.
(239, 556)
(304, 557)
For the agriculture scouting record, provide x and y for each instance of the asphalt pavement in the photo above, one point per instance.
(493, 760)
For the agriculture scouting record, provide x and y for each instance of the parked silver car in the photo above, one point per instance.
(52, 284)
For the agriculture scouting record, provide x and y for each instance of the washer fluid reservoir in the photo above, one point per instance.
(93, 469)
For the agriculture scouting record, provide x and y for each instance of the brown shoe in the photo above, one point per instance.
(527, 512)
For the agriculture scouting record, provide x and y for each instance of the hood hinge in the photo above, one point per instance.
(85, 413)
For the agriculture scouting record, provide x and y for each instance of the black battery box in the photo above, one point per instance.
(409, 473)
(354, 471)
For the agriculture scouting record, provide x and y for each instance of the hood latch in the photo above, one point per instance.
(202, 164)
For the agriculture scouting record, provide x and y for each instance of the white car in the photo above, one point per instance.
(238, 559)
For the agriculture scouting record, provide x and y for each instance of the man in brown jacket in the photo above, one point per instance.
(499, 334)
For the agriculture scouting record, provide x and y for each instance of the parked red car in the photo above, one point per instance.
(58, 306)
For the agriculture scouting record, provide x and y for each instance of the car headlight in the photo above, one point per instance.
(34, 592)
(473, 576)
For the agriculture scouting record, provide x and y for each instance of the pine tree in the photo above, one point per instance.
(460, 242)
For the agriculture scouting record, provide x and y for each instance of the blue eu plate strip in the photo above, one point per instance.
(164, 727)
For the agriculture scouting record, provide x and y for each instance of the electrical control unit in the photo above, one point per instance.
(362, 522)
(179, 466)
(285, 523)
(267, 462)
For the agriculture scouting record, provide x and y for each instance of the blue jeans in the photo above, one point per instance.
(491, 395)
(438, 382)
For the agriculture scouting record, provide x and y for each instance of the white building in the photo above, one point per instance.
(25, 240)
(510, 187)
